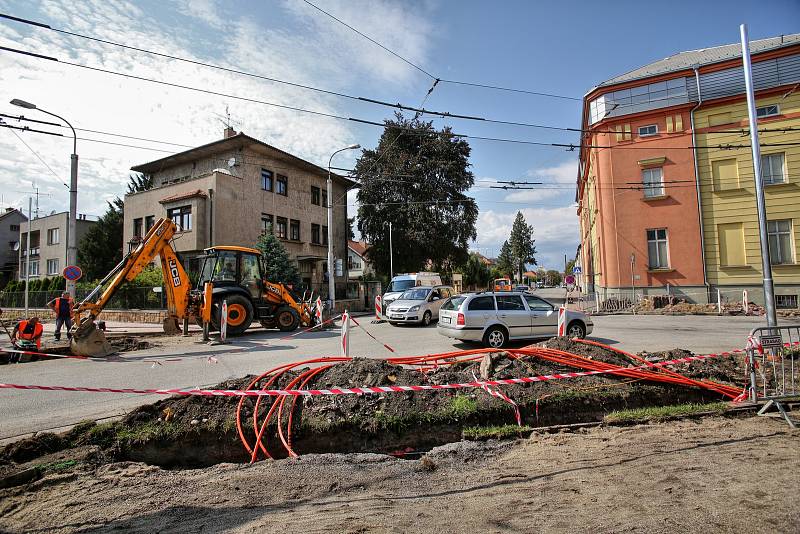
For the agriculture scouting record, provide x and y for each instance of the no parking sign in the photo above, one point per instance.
(72, 273)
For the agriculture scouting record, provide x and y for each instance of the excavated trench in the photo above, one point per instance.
(194, 431)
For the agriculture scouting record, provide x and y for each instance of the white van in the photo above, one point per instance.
(401, 282)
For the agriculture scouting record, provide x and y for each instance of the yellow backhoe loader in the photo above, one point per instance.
(235, 275)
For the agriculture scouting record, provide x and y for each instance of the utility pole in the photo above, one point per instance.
(28, 256)
(766, 262)
(391, 254)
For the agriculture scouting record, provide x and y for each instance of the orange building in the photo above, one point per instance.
(639, 193)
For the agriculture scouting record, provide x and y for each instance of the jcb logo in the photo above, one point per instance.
(274, 289)
(173, 271)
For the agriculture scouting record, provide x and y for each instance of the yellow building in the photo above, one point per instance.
(727, 192)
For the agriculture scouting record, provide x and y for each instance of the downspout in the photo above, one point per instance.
(697, 181)
(210, 217)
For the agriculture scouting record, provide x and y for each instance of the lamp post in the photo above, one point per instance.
(72, 248)
(331, 284)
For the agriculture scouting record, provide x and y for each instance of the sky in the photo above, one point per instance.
(559, 48)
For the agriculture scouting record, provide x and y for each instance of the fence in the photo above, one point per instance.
(773, 354)
(127, 298)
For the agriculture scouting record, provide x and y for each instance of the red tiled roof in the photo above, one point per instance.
(359, 247)
(182, 196)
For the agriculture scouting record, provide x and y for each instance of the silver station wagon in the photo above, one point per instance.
(496, 318)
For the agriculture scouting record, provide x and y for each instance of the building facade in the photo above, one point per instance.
(665, 192)
(231, 191)
(48, 248)
(357, 263)
(11, 220)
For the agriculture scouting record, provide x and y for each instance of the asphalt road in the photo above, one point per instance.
(185, 362)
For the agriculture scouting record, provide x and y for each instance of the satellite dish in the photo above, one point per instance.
(15, 246)
(232, 162)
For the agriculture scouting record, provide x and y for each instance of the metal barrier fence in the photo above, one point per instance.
(127, 298)
(773, 355)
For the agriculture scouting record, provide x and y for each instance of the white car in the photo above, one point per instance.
(418, 305)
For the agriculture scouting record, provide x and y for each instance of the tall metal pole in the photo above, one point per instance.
(766, 262)
(331, 283)
(391, 253)
(28, 257)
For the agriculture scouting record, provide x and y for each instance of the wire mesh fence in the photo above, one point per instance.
(126, 298)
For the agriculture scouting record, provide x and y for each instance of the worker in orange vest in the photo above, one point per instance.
(62, 306)
(29, 330)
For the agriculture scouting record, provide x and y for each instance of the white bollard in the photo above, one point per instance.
(345, 339)
(318, 310)
(719, 302)
(562, 319)
(378, 309)
(745, 305)
(597, 301)
(223, 322)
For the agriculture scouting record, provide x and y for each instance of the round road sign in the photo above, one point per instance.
(569, 280)
(72, 273)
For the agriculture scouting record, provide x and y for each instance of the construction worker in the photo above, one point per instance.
(28, 330)
(62, 306)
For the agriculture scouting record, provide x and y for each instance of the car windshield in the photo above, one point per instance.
(399, 285)
(415, 294)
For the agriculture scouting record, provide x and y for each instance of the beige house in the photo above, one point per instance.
(230, 191)
(48, 244)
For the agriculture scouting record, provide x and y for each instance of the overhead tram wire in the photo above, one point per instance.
(21, 140)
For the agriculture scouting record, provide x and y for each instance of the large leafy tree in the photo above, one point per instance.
(505, 261)
(475, 271)
(522, 244)
(416, 178)
(139, 182)
(280, 267)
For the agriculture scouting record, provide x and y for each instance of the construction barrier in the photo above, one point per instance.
(223, 322)
(562, 321)
(378, 310)
(745, 303)
(772, 367)
(345, 336)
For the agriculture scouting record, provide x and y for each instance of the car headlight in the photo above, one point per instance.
(414, 308)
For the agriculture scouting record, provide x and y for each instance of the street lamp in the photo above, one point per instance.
(72, 248)
(331, 285)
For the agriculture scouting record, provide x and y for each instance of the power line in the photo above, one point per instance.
(21, 140)
(512, 90)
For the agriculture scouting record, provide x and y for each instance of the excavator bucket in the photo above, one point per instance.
(88, 340)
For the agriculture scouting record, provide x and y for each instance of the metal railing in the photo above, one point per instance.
(127, 298)
(773, 357)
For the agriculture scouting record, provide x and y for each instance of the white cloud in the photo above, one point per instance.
(557, 182)
(111, 103)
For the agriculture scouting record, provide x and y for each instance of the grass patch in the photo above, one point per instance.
(463, 406)
(55, 467)
(661, 413)
(477, 433)
(150, 431)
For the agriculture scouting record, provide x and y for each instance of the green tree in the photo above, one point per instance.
(505, 261)
(475, 272)
(351, 235)
(416, 178)
(570, 266)
(280, 267)
(139, 182)
(554, 277)
(100, 250)
(522, 244)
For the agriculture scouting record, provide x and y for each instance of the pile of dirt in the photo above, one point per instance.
(195, 431)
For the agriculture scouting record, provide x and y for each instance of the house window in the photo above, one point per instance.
(653, 180)
(137, 229)
(315, 195)
(280, 227)
(324, 235)
(779, 236)
(650, 129)
(785, 302)
(182, 217)
(772, 169)
(282, 185)
(149, 222)
(324, 198)
(34, 268)
(52, 236)
(52, 267)
(266, 180)
(767, 111)
(657, 248)
(294, 230)
(15, 228)
(266, 223)
(731, 245)
(315, 234)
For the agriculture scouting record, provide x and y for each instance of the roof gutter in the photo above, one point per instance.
(697, 177)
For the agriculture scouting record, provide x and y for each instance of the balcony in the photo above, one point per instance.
(34, 251)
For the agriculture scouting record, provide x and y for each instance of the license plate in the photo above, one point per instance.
(446, 320)
(397, 316)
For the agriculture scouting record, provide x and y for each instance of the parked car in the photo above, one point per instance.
(496, 318)
(418, 305)
(402, 282)
(521, 287)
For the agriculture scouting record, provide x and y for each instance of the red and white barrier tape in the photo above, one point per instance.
(365, 389)
(500, 395)
(387, 347)
(309, 329)
(32, 353)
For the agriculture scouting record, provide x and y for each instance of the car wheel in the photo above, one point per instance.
(575, 329)
(426, 318)
(240, 314)
(287, 319)
(392, 323)
(495, 337)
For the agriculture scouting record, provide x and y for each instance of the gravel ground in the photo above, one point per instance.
(714, 475)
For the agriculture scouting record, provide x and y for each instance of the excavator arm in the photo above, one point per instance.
(87, 339)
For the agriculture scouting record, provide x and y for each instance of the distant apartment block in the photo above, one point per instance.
(666, 191)
(231, 191)
(10, 222)
(48, 246)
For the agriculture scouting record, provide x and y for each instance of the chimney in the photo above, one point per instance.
(229, 132)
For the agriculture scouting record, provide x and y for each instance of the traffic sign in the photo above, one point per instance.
(576, 269)
(569, 280)
(72, 273)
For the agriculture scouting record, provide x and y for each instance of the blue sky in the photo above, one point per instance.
(559, 47)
